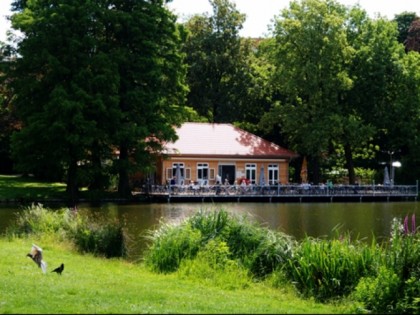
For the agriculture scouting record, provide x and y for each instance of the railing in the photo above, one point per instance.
(281, 190)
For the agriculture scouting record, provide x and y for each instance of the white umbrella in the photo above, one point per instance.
(262, 177)
(178, 177)
(386, 176)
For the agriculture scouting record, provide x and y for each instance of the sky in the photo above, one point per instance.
(259, 12)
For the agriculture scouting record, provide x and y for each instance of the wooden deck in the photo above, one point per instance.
(283, 193)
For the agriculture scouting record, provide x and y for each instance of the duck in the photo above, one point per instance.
(36, 255)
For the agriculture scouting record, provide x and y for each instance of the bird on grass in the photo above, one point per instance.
(36, 255)
(59, 269)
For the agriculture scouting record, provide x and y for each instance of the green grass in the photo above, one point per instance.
(17, 187)
(97, 285)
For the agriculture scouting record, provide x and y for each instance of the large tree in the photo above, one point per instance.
(311, 57)
(145, 42)
(91, 78)
(214, 58)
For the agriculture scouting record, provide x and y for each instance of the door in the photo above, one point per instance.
(227, 172)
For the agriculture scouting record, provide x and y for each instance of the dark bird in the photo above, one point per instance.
(59, 270)
(36, 255)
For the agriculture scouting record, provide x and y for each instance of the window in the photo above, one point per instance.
(202, 171)
(250, 172)
(273, 174)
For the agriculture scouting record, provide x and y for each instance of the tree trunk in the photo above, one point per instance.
(99, 180)
(349, 163)
(124, 190)
(313, 168)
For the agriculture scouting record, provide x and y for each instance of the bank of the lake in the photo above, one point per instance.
(92, 285)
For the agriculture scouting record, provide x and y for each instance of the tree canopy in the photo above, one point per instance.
(92, 79)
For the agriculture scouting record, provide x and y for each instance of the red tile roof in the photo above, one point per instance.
(223, 140)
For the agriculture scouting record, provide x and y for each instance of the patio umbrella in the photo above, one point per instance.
(262, 176)
(178, 178)
(386, 176)
(304, 171)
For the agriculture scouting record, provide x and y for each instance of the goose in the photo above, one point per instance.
(36, 255)
(59, 269)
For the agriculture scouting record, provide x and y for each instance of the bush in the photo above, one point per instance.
(36, 219)
(378, 293)
(258, 249)
(97, 235)
(170, 244)
(396, 288)
(328, 269)
(213, 264)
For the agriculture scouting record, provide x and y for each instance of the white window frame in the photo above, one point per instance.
(203, 171)
(273, 174)
(251, 172)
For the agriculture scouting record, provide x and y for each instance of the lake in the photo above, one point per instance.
(362, 219)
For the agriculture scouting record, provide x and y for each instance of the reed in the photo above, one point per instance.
(396, 286)
(93, 234)
(326, 269)
(257, 248)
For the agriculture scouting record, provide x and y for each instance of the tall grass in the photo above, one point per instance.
(396, 286)
(256, 248)
(327, 269)
(93, 234)
(231, 250)
(234, 252)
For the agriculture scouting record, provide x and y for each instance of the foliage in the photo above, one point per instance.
(259, 249)
(90, 78)
(404, 21)
(224, 79)
(214, 265)
(95, 234)
(256, 248)
(36, 219)
(94, 285)
(99, 235)
(395, 288)
(170, 245)
(326, 269)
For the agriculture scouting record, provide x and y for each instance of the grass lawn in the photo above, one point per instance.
(90, 285)
(17, 187)
(28, 189)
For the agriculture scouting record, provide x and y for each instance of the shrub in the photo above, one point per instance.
(171, 243)
(328, 269)
(378, 293)
(98, 235)
(261, 250)
(258, 249)
(396, 288)
(36, 219)
(213, 265)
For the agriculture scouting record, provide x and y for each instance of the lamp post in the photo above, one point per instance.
(393, 166)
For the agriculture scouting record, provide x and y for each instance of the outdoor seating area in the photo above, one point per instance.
(203, 189)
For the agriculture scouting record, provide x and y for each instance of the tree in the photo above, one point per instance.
(144, 43)
(311, 60)
(413, 36)
(404, 21)
(379, 92)
(91, 77)
(214, 58)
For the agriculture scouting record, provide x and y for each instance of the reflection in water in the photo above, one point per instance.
(362, 220)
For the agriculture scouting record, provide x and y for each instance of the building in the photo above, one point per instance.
(206, 153)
